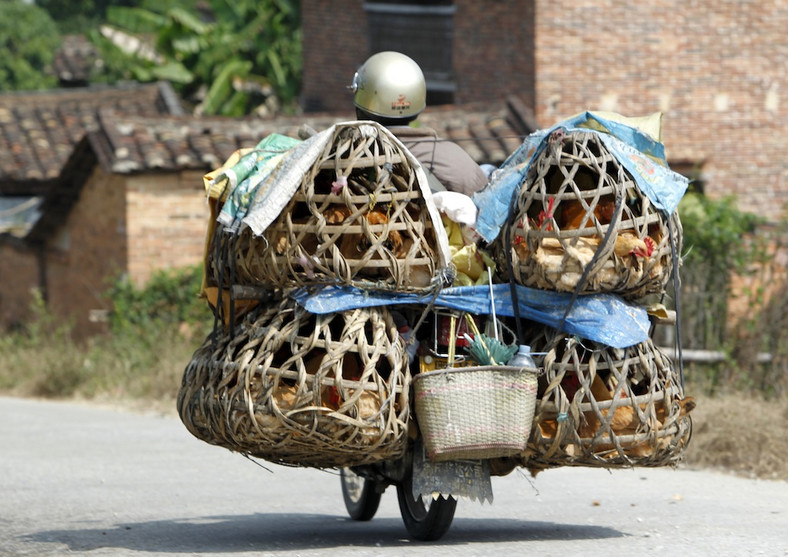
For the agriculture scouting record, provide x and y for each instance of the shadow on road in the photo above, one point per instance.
(267, 532)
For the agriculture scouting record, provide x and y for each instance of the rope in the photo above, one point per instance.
(676, 291)
(580, 283)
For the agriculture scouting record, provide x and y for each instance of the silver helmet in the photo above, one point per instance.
(391, 85)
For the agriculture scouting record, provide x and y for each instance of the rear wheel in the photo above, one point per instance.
(426, 519)
(361, 495)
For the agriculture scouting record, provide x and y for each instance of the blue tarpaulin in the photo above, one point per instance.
(604, 318)
(642, 156)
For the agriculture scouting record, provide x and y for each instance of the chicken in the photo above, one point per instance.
(351, 243)
(330, 395)
(368, 405)
(625, 421)
(575, 216)
(284, 397)
(628, 243)
(355, 245)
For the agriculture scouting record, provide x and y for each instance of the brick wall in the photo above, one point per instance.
(493, 51)
(716, 68)
(334, 46)
(121, 225)
(18, 276)
(88, 252)
(167, 217)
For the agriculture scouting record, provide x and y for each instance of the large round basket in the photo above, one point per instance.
(479, 412)
(604, 407)
(295, 388)
(579, 211)
(358, 218)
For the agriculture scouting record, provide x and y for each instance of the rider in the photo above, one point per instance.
(389, 88)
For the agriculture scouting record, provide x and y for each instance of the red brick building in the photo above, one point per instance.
(715, 68)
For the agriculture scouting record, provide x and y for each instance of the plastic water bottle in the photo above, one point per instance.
(522, 358)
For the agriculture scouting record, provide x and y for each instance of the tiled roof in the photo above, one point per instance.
(133, 144)
(139, 144)
(74, 60)
(38, 130)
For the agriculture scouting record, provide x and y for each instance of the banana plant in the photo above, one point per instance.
(251, 50)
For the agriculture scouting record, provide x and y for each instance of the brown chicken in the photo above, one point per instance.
(575, 216)
(356, 244)
(329, 395)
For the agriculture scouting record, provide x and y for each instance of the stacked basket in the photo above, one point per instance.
(581, 224)
(277, 382)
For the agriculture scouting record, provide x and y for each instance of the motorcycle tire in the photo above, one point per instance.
(424, 521)
(361, 495)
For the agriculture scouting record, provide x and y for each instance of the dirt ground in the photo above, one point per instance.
(740, 435)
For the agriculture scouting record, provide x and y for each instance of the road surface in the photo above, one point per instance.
(87, 480)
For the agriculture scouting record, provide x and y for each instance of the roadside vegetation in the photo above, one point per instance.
(152, 335)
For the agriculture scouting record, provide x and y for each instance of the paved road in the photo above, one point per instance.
(94, 481)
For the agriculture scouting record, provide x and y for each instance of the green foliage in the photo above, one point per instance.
(168, 299)
(714, 232)
(28, 41)
(731, 256)
(251, 50)
(79, 16)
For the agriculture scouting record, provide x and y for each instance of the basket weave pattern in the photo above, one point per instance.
(357, 219)
(479, 412)
(574, 192)
(604, 407)
(302, 389)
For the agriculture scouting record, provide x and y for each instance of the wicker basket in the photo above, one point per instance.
(603, 407)
(295, 388)
(358, 218)
(480, 412)
(574, 192)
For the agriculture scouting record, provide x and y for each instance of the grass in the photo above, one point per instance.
(131, 367)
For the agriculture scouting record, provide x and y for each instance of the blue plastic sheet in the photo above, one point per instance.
(604, 318)
(642, 156)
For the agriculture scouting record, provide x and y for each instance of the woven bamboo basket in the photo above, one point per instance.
(603, 407)
(579, 210)
(479, 412)
(358, 218)
(295, 388)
